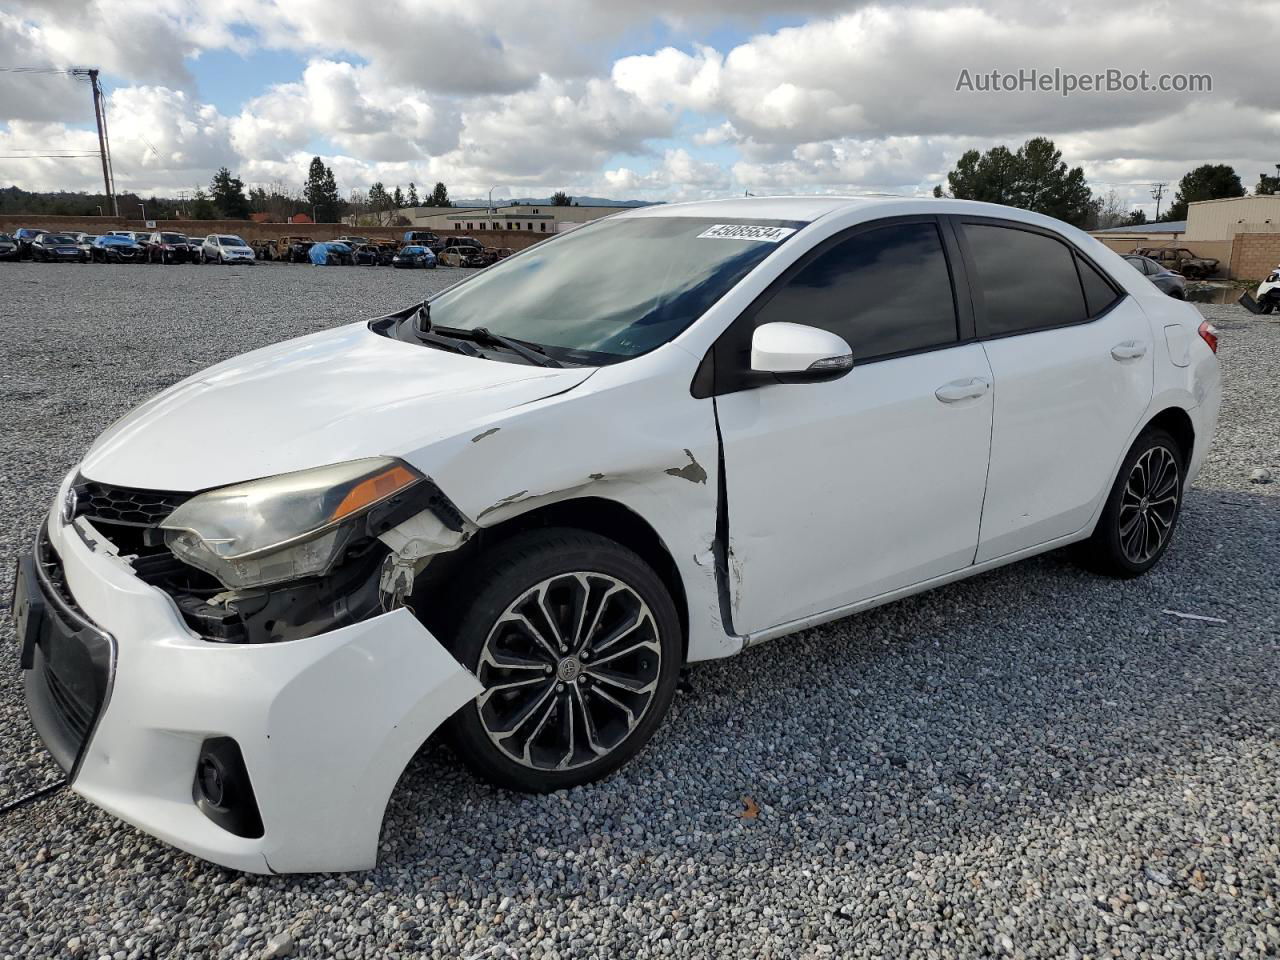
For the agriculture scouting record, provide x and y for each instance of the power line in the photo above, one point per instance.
(51, 156)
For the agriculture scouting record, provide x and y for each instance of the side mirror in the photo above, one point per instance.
(796, 352)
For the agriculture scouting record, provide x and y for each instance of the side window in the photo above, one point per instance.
(1098, 293)
(1028, 281)
(886, 290)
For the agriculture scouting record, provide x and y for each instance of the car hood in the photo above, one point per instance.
(339, 395)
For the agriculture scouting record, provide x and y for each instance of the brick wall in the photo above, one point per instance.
(1254, 255)
(253, 232)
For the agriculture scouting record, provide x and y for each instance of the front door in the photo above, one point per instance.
(840, 491)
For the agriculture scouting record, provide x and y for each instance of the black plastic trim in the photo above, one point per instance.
(236, 809)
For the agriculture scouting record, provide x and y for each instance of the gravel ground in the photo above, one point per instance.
(1037, 762)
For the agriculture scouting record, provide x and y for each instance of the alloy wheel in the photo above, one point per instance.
(570, 669)
(1149, 505)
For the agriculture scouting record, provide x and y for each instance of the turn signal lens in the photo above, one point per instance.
(369, 491)
(1209, 334)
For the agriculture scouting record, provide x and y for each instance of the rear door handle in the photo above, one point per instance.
(1129, 350)
(970, 388)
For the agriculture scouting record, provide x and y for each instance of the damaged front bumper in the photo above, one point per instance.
(321, 727)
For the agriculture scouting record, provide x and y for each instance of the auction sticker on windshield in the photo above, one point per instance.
(746, 231)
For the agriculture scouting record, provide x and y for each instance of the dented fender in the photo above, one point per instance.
(658, 460)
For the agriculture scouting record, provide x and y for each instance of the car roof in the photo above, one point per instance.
(810, 208)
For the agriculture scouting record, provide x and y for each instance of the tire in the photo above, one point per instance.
(1267, 306)
(535, 737)
(1141, 494)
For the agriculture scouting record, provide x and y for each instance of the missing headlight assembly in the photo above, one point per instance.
(283, 557)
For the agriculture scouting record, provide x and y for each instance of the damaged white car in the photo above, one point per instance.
(515, 512)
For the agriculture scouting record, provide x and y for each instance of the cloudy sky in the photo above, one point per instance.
(665, 99)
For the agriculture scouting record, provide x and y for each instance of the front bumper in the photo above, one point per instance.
(325, 725)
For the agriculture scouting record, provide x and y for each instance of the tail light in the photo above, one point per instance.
(1209, 334)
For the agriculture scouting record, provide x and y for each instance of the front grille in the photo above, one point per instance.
(75, 713)
(104, 503)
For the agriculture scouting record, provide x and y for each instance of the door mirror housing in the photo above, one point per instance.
(796, 352)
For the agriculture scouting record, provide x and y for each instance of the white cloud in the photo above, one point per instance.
(855, 96)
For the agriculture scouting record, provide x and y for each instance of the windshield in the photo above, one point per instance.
(57, 238)
(413, 250)
(617, 288)
(113, 241)
(172, 238)
(231, 241)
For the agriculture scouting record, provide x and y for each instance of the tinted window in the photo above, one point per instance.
(1028, 281)
(885, 291)
(1098, 294)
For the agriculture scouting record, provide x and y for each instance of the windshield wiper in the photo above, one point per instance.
(531, 352)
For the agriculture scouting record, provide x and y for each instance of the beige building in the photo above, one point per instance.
(529, 218)
(1221, 220)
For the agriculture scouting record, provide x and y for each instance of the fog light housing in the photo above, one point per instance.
(222, 791)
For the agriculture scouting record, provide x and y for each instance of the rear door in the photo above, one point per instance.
(1072, 358)
(840, 491)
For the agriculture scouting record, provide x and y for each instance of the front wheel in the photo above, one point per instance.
(1142, 509)
(576, 642)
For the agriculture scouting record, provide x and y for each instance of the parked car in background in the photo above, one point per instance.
(265, 250)
(365, 255)
(85, 242)
(225, 248)
(386, 252)
(113, 248)
(8, 247)
(1172, 283)
(24, 236)
(1266, 299)
(416, 238)
(294, 249)
(330, 253)
(414, 256)
(450, 242)
(57, 248)
(1179, 260)
(354, 242)
(513, 513)
(464, 255)
(165, 247)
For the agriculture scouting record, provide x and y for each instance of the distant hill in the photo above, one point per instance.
(546, 202)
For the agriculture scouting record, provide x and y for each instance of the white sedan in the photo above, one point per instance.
(225, 248)
(514, 512)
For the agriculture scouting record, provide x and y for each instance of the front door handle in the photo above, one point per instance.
(970, 388)
(1129, 350)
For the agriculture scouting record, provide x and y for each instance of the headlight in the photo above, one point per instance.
(281, 528)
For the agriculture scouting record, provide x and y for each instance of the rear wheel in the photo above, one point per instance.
(1142, 509)
(577, 644)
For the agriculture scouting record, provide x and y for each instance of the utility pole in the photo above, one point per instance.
(104, 142)
(1157, 191)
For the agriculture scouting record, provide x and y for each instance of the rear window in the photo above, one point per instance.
(1027, 281)
(1098, 293)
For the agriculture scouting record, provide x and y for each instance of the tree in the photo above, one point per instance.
(1034, 178)
(560, 199)
(1209, 181)
(1111, 211)
(321, 192)
(227, 194)
(412, 199)
(397, 198)
(439, 197)
(1268, 184)
(202, 207)
(380, 203)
